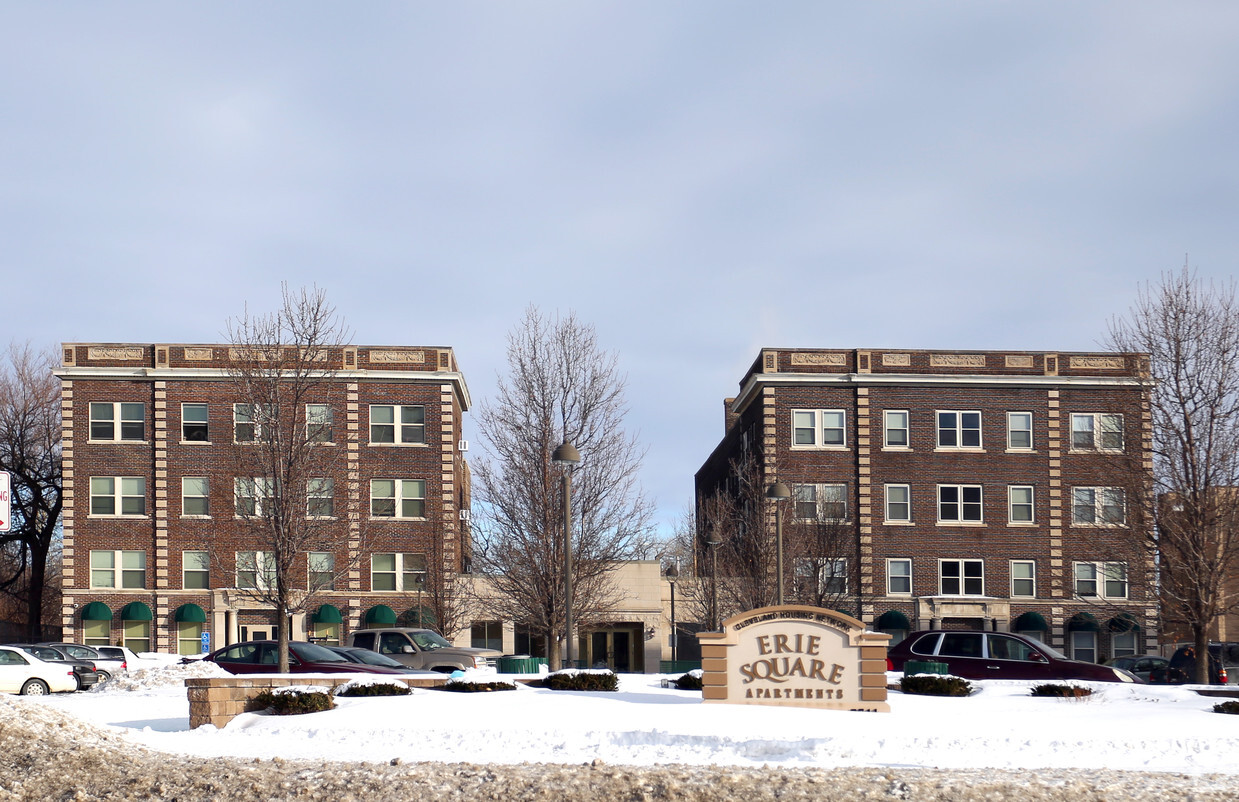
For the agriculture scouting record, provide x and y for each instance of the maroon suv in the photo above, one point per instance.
(262, 657)
(973, 654)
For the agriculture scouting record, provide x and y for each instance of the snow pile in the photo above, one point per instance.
(371, 679)
(160, 676)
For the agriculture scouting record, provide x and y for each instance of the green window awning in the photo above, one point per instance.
(1083, 622)
(190, 614)
(96, 611)
(893, 619)
(1123, 622)
(136, 611)
(327, 614)
(380, 614)
(1030, 622)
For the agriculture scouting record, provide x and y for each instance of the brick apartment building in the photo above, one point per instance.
(996, 490)
(155, 555)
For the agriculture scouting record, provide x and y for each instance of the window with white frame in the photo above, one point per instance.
(1123, 644)
(899, 577)
(253, 496)
(195, 428)
(896, 427)
(898, 503)
(195, 570)
(1107, 580)
(1096, 431)
(959, 503)
(821, 576)
(320, 494)
(819, 428)
(255, 570)
(137, 635)
(252, 422)
(958, 429)
(188, 638)
(397, 425)
(398, 572)
(1019, 431)
(1084, 646)
(118, 569)
(195, 497)
(322, 568)
(121, 421)
(397, 498)
(1020, 504)
(118, 495)
(820, 502)
(318, 421)
(1023, 579)
(961, 577)
(1104, 506)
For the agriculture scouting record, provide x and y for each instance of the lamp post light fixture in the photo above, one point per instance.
(567, 458)
(673, 574)
(713, 545)
(778, 492)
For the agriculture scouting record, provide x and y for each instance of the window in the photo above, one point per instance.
(899, 577)
(1005, 647)
(318, 420)
(820, 502)
(117, 422)
(322, 565)
(195, 570)
(253, 496)
(1084, 646)
(194, 423)
(117, 495)
(188, 637)
(959, 503)
(195, 498)
(1104, 580)
(1019, 504)
(137, 635)
(818, 428)
(1023, 579)
(1095, 431)
(251, 422)
(486, 635)
(397, 498)
(255, 570)
(384, 428)
(1123, 644)
(399, 572)
(896, 428)
(961, 577)
(1019, 431)
(1098, 505)
(132, 569)
(898, 503)
(320, 498)
(324, 633)
(97, 633)
(821, 576)
(959, 429)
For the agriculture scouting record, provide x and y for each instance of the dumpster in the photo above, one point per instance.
(925, 667)
(520, 664)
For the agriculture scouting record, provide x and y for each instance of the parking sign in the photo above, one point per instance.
(6, 506)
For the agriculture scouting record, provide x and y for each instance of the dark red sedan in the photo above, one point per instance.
(973, 654)
(262, 657)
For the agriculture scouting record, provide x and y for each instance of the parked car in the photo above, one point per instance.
(262, 657)
(369, 658)
(422, 648)
(83, 670)
(131, 660)
(1142, 665)
(975, 654)
(1181, 669)
(107, 667)
(22, 672)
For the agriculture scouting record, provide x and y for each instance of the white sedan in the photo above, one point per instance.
(21, 672)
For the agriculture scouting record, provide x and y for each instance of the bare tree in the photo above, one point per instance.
(1190, 330)
(823, 556)
(30, 451)
(561, 387)
(290, 455)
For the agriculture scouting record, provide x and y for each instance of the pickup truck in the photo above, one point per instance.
(422, 648)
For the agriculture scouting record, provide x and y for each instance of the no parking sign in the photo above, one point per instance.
(6, 506)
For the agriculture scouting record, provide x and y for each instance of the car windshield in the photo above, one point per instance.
(429, 641)
(313, 653)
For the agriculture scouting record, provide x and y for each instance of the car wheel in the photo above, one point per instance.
(104, 676)
(34, 687)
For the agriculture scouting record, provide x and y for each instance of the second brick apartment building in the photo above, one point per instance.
(998, 490)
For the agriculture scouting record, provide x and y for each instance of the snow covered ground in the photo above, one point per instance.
(1136, 727)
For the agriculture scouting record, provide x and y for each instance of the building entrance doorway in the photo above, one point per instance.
(614, 649)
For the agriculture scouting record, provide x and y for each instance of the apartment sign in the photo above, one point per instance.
(6, 503)
(795, 656)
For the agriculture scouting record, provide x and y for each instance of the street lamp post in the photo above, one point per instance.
(778, 493)
(567, 457)
(673, 574)
(713, 546)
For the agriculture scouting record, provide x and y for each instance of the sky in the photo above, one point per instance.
(1119, 727)
(697, 180)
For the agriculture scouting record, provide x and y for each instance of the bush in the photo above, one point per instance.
(935, 685)
(463, 686)
(374, 689)
(1227, 707)
(689, 682)
(581, 681)
(292, 701)
(1062, 691)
